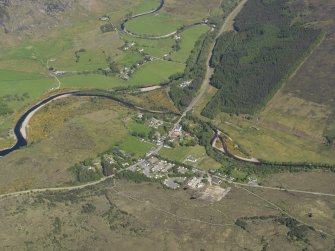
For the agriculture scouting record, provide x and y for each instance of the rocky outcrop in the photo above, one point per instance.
(3, 12)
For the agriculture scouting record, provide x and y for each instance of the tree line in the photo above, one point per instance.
(252, 63)
(195, 72)
(196, 65)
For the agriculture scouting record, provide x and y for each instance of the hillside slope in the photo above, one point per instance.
(298, 123)
(34, 18)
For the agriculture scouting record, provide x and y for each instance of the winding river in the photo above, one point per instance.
(123, 25)
(161, 5)
(20, 129)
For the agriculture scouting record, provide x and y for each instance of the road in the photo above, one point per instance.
(55, 189)
(70, 188)
(53, 75)
(274, 188)
(226, 26)
(67, 188)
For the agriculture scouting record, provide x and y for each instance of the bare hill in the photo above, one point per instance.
(34, 17)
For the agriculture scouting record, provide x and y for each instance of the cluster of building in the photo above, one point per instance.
(153, 167)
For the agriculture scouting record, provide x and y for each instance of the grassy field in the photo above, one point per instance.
(208, 163)
(157, 24)
(33, 87)
(136, 127)
(188, 40)
(180, 153)
(92, 80)
(172, 16)
(154, 47)
(136, 147)
(130, 58)
(155, 72)
(23, 65)
(9, 75)
(309, 181)
(274, 142)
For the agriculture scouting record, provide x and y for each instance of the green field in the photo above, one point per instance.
(208, 163)
(34, 88)
(8, 75)
(180, 153)
(92, 80)
(155, 72)
(158, 24)
(155, 47)
(188, 40)
(88, 61)
(138, 128)
(134, 146)
(129, 58)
